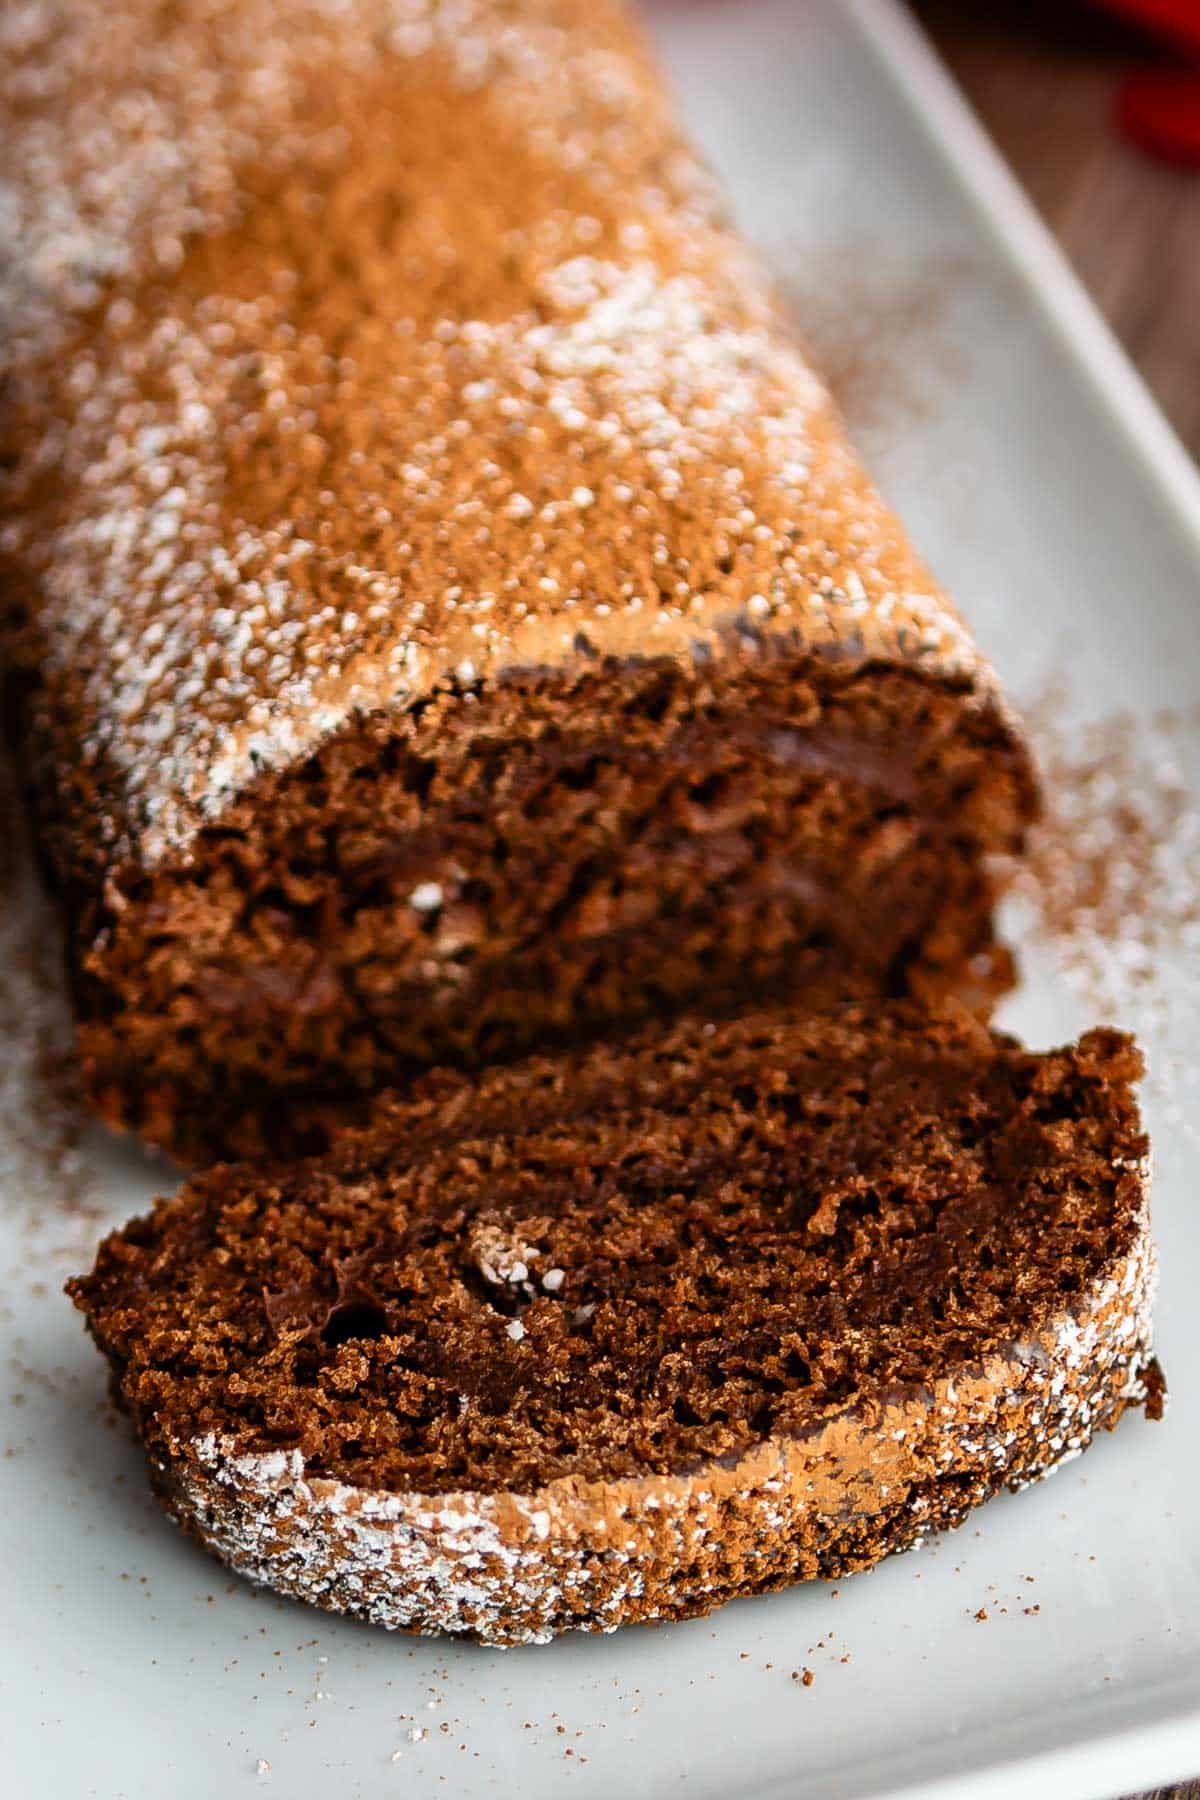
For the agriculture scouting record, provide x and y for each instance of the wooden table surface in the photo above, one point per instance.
(1042, 74)
(1043, 78)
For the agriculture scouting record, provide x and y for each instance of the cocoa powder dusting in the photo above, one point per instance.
(1110, 887)
(880, 342)
(42, 1116)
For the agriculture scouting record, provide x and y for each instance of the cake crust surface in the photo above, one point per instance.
(587, 1342)
(280, 471)
(449, 617)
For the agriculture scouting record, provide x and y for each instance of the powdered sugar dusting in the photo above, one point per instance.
(265, 495)
(513, 1568)
(126, 128)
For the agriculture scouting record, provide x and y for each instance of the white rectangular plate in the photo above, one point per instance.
(1050, 497)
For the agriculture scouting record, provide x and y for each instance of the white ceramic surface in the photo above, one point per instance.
(1051, 498)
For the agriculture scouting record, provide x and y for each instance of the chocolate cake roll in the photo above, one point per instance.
(621, 1336)
(448, 616)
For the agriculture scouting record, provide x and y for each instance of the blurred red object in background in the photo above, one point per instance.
(1178, 20)
(1159, 109)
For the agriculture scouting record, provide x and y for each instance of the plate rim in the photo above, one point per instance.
(945, 119)
(1167, 1746)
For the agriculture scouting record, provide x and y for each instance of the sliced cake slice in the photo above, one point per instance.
(621, 1336)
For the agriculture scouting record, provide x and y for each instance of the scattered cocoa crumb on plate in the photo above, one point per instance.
(879, 339)
(1109, 890)
(43, 1119)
